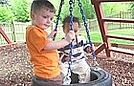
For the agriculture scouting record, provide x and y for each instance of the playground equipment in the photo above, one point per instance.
(5, 36)
(102, 20)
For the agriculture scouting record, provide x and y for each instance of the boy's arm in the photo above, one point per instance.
(53, 45)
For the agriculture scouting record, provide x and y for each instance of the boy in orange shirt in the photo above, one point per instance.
(43, 51)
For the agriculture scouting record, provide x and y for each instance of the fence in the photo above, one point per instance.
(16, 30)
(122, 15)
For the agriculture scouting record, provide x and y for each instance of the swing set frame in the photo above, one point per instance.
(102, 21)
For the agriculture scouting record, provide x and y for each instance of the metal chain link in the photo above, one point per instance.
(71, 2)
(87, 31)
(58, 17)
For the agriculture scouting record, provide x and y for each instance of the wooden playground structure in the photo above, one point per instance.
(102, 20)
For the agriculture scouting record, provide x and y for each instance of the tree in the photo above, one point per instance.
(5, 11)
(4, 2)
(5, 14)
(131, 8)
(86, 5)
(88, 9)
(20, 9)
(114, 8)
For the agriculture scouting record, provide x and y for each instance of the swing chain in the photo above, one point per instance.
(84, 20)
(71, 28)
(58, 17)
(71, 14)
(87, 31)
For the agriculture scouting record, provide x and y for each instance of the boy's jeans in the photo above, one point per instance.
(37, 81)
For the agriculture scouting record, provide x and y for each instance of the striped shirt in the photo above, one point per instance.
(78, 49)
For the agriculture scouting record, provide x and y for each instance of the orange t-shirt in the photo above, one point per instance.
(45, 63)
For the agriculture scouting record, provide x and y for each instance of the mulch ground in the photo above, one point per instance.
(16, 70)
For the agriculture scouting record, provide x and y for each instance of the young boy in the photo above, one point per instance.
(79, 66)
(44, 55)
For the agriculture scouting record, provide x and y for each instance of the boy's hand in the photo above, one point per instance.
(52, 34)
(65, 58)
(90, 49)
(70, 36)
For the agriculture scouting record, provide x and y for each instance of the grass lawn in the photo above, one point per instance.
(96, 36)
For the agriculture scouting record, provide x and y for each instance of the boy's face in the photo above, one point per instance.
(76, 28)
(42, 18)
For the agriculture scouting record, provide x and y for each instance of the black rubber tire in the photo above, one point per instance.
(99, 77)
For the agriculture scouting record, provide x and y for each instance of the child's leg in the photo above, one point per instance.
(66, 80)
(84, 78)
(83, 70)
(65, 74)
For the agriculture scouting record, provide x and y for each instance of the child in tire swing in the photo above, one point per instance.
(79, 65)
(43, 51)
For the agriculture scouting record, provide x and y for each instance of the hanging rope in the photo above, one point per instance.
(58, 17)
(87, 31)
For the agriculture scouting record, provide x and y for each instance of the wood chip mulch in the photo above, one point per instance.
(16, 70)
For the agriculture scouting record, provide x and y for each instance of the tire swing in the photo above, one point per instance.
(98, 76)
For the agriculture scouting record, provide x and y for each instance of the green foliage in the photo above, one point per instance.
(4, 2)
(131, 5)
(88, 9)
(5, 14)
(20, 9)
(86, 5)
(114, 8)
(131, 8)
